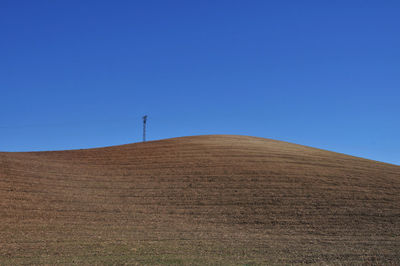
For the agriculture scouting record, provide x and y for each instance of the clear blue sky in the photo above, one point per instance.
(79, 74)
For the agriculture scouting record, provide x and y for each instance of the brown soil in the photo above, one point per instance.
(198, 200)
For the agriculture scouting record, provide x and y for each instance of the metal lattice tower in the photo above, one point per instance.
(144, 127)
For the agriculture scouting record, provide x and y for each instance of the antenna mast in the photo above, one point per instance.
(144, 127)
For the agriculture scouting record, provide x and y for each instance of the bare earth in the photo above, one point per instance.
(198, 200)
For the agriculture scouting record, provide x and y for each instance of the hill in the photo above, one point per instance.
(198, 200)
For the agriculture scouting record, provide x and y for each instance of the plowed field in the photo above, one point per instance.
(198, 200)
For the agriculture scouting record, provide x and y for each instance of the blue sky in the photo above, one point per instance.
(79, 74)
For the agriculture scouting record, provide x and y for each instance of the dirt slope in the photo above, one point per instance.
(198, 200)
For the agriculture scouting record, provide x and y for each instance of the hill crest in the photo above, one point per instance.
(232, 199)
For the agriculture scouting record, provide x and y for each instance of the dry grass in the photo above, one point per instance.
(198, 200)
